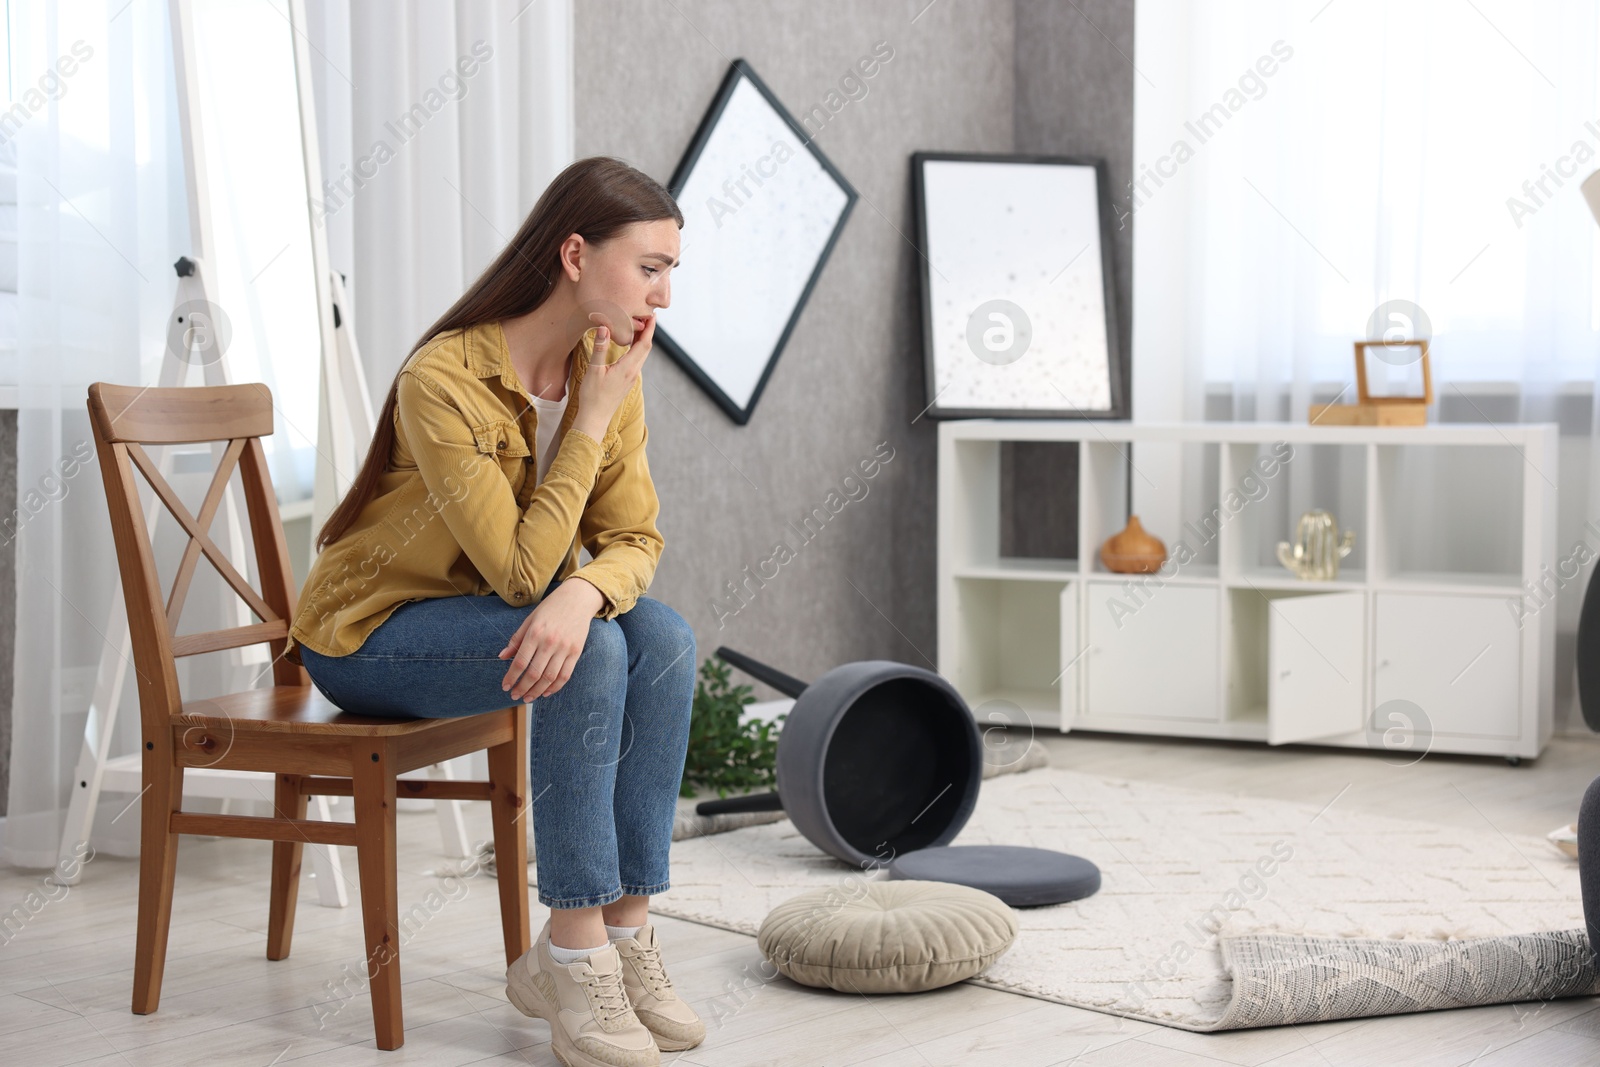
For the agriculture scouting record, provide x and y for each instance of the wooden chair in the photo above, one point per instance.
(288, 729)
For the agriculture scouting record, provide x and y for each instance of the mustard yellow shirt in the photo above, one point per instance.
(459, 511)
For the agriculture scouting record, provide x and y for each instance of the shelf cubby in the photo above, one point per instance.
(1174, 492)
(1426, 495)
(1273, 484)
(988, 488)
(1010, 666)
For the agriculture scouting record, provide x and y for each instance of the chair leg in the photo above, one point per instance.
(373, 777)
(508, 806)
(287, 803)
(158, 862)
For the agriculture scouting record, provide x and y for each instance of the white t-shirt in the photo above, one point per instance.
(548, 413)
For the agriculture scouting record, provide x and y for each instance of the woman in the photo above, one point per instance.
(514, 433)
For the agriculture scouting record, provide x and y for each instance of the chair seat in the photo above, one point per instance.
(296, 709)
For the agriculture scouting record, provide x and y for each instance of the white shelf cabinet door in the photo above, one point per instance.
(1456, 657)
(1315, 648)
(1158, 658)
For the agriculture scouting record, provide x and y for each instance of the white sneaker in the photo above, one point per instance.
(674, 1024)
(592, 1023)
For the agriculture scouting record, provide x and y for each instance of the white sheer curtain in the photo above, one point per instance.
(102, 218)
(1384, 157)
(1300, 163)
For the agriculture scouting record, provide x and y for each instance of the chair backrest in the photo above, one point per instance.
(126, 418)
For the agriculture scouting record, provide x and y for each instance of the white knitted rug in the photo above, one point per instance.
(1218, 912)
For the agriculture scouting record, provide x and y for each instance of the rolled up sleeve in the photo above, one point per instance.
(518, 551)
(618, 527)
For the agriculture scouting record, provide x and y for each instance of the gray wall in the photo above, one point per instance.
(978, 75)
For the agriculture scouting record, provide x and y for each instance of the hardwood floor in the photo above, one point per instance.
(65, 975)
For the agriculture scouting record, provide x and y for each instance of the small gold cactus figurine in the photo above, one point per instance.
(1318, 547)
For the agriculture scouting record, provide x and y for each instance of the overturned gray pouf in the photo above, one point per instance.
(887, 937)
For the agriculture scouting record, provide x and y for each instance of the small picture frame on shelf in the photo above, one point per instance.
(1394, 386)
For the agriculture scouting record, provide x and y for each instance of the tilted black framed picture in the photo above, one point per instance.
(762, 209)
(1018, 307)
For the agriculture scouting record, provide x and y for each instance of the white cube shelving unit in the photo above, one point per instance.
(1431, 639)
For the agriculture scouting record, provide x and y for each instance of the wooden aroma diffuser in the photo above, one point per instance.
(1133, 550)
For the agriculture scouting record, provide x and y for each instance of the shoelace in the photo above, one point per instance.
(608, 996)
(655, 973)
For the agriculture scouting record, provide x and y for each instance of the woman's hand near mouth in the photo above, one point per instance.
(605, 384)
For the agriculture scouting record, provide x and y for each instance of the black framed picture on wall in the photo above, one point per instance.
(1018, 307)
(762, 210)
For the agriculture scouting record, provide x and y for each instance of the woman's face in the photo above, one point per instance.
(623, 281)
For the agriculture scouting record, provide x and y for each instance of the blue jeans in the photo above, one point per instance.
(607, 749)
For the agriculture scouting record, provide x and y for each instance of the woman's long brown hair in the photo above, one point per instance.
(596, 198)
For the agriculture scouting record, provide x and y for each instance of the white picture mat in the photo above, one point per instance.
(1030, 234)
(747, 254)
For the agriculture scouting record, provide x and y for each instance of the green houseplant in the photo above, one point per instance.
(727, 753)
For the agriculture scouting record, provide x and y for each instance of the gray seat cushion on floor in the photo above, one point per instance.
(1022, 877)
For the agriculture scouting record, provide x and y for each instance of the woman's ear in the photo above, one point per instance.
(572, 250)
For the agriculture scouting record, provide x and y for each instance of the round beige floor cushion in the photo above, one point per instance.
(887, 937)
